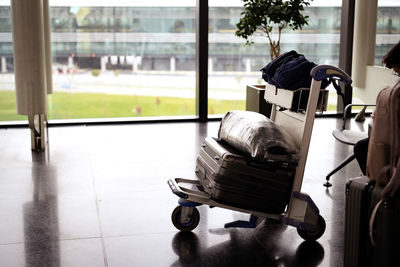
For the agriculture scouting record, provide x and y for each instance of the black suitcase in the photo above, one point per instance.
(358, 192)
(234, 179)
(361, 199)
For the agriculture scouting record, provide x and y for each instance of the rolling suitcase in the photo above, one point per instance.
(234, 179)
(361, 199)
(358, 192)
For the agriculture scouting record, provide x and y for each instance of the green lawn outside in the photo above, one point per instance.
(8, 109)
(88, 105)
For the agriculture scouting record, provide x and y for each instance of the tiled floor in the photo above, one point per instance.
(99, 197)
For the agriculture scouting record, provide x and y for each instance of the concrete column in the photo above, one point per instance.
(103, 63)
(364, 40)
(32, 64)
(210, 65)
(70, 63)
(121, 60)
(135, 64)
(3, 64)
(47, 48)
(114, 60)
(137, 60)
(248, 64)
(130, 61)
(172, 63)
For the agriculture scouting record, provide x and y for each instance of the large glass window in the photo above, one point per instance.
(387, 35)
(232, 66)
(137, 58)
(387, 28)
(8, 107)
(112, 59)
(122, 58)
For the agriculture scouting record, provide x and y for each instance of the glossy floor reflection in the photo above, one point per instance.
(98, 197)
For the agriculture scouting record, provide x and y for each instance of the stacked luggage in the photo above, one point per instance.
(255, 166)
(253, 162)
(237, 180)
(251, 165)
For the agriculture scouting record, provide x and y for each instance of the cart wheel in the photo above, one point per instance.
(314, 235)
(188, 226)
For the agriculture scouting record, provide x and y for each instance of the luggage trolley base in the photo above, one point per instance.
(301, 213)
(185, 217)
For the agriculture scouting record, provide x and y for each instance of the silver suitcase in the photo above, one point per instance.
(234, 179)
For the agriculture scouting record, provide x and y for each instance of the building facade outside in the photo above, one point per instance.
(144, 52)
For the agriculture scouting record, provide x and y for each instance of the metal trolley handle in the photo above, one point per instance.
(327, 71)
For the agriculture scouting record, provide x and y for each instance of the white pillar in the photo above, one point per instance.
(70, 62)
(103, 63)
(137, 60)
(248, 64)
(134, 64)
(3, 64)
(364, 40)
(32, 64)
(121, 60)
(47, 48)
(172, 64)
(114, 60)
(130, 60)
(210, 65)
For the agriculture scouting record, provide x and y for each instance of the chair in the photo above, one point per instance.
(349, 137)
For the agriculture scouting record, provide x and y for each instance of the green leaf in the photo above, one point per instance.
(267, 14)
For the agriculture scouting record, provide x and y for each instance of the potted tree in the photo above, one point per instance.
(270, 17)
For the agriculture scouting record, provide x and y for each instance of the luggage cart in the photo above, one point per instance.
(301, 211)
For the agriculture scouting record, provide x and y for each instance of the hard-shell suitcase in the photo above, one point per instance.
(361, 199)
(358, 192)
(234, 179)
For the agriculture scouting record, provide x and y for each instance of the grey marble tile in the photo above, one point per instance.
(80, 252)
(99, 197)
